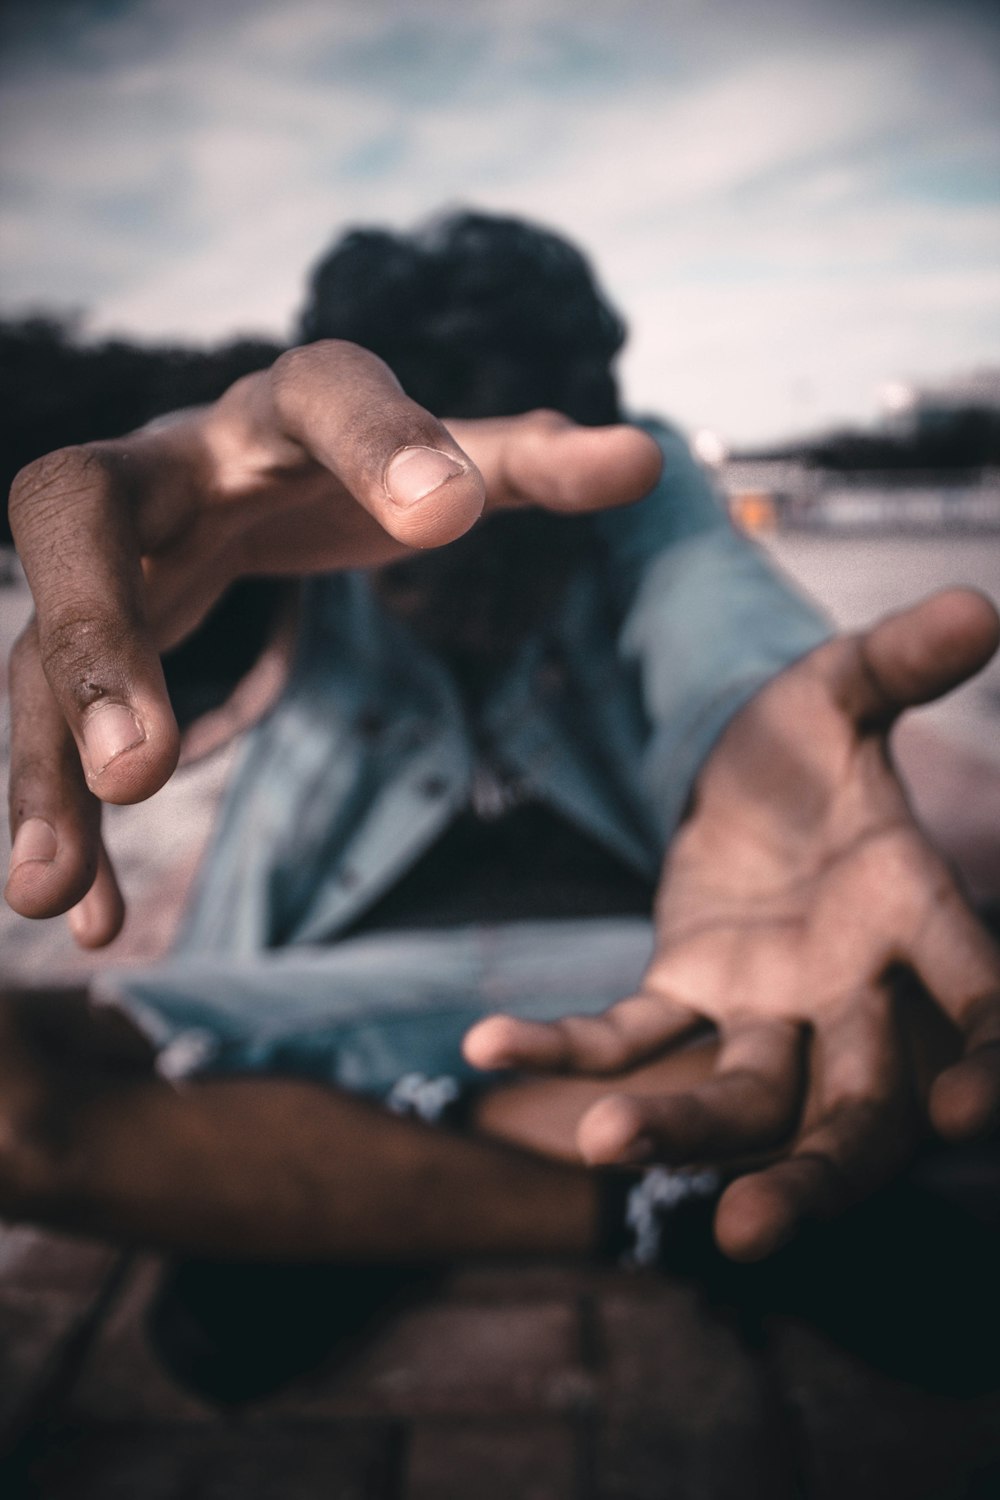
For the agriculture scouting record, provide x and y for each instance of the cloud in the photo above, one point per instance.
(784, 197)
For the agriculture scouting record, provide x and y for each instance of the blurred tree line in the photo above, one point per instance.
(933, 437)
(57, 389)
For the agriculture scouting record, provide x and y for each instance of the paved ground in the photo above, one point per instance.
(866, 1369)
(863, 1364)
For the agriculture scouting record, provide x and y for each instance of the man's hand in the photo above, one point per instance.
(316, 464)
(797, 894)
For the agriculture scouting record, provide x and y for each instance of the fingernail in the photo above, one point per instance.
(415, 473)
(35, 840)
(108, 733)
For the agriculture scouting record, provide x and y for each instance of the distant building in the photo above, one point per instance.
(910, 409)
(767, 494)
(934, 465)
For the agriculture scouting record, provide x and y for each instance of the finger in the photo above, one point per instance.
(97, 919)
(965, 1098)
(959, 963)
(862, 1131)
(917, 655)
(545, 459)
(751, 1102)
(70, 515)
(346, 409)
(628, 1033)
(54, 819)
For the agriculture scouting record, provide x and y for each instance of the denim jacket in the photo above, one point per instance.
(605, 715)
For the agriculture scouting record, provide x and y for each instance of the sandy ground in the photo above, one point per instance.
(950, 753)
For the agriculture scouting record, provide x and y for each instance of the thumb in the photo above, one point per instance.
(918, 655)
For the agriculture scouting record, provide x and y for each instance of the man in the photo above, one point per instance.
(606, 694)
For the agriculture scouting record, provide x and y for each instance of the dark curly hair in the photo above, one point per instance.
(478, 315)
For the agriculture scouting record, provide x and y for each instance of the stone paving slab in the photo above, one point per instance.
(685, 1406)
(33, 1260)
(120, 1380)
(590, 1386)
(50, 1288)
(535, 1460)
(456, 1361)
(639, 1458)
(35, 1329)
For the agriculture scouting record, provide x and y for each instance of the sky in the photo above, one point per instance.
(793, 201)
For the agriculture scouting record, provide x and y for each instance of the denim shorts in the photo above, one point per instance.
(381, 1014)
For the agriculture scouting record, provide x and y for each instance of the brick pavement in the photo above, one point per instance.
(545, 1382)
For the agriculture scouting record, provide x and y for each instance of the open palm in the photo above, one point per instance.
(803, 913)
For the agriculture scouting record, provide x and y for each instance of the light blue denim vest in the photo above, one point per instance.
(605, 716)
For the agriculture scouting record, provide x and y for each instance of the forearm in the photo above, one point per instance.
(264, 1168)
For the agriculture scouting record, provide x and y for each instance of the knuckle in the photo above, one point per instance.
(770, 1094)
(690, 1116)
(45, 486)
(289, 375)
(603, 1050)
(290, 366)
(827, 1178)
(591, 1043)
(544, 421)
(78, 656)
(855, 1115)
(372, 415)
(327, 356)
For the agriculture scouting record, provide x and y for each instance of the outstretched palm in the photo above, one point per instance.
(798, 892)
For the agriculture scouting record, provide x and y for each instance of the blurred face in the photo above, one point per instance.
(481, 595)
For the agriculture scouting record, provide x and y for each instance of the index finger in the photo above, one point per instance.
(71, 516)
